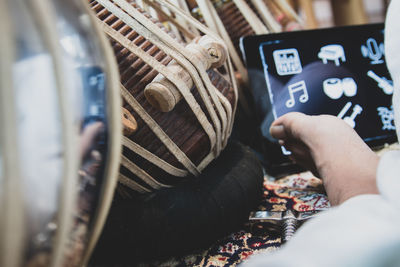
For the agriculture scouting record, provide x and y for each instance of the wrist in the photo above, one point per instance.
(358, 179)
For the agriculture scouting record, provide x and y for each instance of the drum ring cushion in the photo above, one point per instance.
(193, 215)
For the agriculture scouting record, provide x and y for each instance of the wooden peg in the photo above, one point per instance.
(163, 94)
(129, 122)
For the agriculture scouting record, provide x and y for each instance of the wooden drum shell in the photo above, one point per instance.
(180, 124)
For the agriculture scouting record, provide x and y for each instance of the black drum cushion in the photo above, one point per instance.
(179, 220)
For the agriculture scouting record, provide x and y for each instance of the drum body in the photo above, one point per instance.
(149, 162)
(62, 110)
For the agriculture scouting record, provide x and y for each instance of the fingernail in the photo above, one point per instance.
(277, 130)
(281, 142)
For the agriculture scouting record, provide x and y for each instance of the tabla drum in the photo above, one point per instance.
(181, 106)
(60, 136)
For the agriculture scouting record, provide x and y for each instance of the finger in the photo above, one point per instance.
(298, 150)
(301, 155)
(290, 125)
(308, 165)
(302, 158)
(278, 132)
(284, 119)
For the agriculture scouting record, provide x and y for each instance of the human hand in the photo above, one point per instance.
(332, 150)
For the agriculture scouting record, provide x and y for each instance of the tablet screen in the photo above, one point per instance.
(337, 71)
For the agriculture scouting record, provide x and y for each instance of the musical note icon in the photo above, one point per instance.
(296, 87)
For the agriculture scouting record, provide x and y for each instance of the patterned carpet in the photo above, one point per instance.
(300, 193)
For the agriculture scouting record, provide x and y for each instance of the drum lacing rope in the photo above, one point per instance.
(222, 119)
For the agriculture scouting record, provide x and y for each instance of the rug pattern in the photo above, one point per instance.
(300, 192)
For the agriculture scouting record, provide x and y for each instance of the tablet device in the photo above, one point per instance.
(338, 71)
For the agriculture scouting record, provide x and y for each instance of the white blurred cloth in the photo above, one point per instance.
(364, 230)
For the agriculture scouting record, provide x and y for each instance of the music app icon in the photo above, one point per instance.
(374, 51)
(287, 61)
(294, 88)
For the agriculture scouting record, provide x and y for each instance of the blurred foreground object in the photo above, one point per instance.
(60, 134)
(329, 13)
(349, 12)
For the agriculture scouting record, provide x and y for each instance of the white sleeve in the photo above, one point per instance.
(363, 231)
(388, 178)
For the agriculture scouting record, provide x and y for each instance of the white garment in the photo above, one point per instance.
(364, 230)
